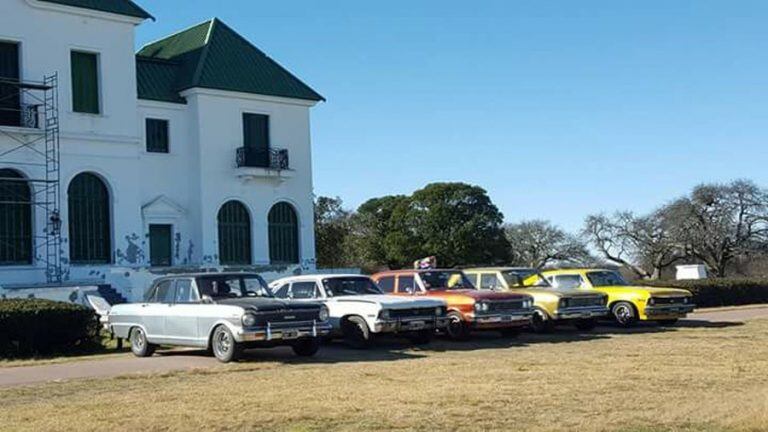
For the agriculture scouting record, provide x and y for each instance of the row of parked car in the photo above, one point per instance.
(228, 312)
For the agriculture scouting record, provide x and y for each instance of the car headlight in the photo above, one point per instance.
(439, 311)
(528, 304)
(686, 300)
(323, 315)
(249, 320)
(481, 307)
(651, 301)
(384, 314)
(565, 302)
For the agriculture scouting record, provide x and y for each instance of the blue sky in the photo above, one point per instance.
(558, 108)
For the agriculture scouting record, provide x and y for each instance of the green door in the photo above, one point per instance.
(10, 99)
(160, 245)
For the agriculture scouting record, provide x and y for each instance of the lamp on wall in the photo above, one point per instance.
(55, 223)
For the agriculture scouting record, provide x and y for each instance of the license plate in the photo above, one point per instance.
(416, 325)
(290, 334)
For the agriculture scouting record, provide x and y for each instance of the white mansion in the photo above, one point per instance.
(116, 165)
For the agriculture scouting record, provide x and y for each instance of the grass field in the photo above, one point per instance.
(702, 377)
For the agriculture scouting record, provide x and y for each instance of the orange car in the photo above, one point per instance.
(468, 308)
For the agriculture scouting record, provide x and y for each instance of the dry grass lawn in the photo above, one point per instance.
(692, 378)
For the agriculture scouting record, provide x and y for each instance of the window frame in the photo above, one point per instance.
(316, 294)
(167, 123)
(415, 283)
(394, 285)
(192, 288)
(99, 97)
(109, 229)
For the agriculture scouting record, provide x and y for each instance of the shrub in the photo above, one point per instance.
(34, 326)
(720, 292)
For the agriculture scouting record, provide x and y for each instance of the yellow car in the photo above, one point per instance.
(627, 303)
(552, 306)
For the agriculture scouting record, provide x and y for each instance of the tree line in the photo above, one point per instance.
(715, 224)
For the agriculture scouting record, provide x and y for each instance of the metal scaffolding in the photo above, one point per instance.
(30, 118)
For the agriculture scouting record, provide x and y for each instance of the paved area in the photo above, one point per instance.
(179, 360)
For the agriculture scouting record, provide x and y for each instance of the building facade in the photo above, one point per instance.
(117, 165)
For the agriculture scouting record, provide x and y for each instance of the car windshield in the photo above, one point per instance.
(606, 278)
(524, 278)
(233, 286)
(347, 286)
(437, 280)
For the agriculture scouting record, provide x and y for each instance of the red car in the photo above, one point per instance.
(468, 308)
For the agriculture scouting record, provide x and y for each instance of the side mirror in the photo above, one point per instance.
(207, 299)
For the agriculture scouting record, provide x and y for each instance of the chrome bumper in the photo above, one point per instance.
(507, 319)
(409, 324)
(284, 332)
(584, 312)
(678, 309)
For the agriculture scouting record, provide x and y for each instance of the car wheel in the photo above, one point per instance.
(667, 322)
(510, 332)
(624, 314)
(585, 324)
(224, 346)
(356, 333)
(457, 328)
(139, 344)
(540, 323)
(306, 347)
(421, 337)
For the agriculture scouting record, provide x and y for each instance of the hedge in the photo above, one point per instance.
(30, 327)
(720, 292)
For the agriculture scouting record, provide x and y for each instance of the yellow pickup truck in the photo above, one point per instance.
(552, 306)
(627, 303)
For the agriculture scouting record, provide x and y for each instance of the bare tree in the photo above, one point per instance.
(537, 243)
(718, 223)
(607, 235)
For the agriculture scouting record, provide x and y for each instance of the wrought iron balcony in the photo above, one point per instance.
(274, 159)
(21, 115)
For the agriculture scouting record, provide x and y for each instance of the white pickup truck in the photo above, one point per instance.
(358, 310)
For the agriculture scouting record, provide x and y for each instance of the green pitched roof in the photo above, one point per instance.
(212, 55)
(120, 7)
(156, 80)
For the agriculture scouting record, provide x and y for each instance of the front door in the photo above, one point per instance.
(10, 100)
(160, 244)
(181, 320)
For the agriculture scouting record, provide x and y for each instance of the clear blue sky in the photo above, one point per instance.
(558, 108)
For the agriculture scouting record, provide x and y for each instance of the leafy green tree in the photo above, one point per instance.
(456, 222)
(372, 243)
(332, 232)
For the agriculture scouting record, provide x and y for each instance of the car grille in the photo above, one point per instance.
(286, 316)
(668, 300)
(505, 306)
(413, 312)
(585, 301)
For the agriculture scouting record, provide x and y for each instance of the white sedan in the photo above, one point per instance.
(358, 310)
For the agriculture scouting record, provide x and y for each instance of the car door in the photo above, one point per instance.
(155, 310)
(181, 319)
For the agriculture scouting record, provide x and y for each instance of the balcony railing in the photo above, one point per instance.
(22, 115)
(276, 159)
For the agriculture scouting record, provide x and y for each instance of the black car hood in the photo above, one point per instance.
(262, 304)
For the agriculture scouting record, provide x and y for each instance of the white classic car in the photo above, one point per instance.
(358, 310)
(222, 312)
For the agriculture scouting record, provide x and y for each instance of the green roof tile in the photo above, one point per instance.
(212, 55)
(156, 80)
(119, 7)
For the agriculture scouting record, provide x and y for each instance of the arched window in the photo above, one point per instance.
(234, 234)
(15, 219)
(283, 234)
(90, 235)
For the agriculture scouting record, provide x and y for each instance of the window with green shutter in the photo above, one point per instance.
(234, 234)
(85, 82)
(157, 135)
(283, 234)
(89, 220)
(15, 219)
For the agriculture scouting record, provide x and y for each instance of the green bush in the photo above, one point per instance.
(30, 327)
(720, 292)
